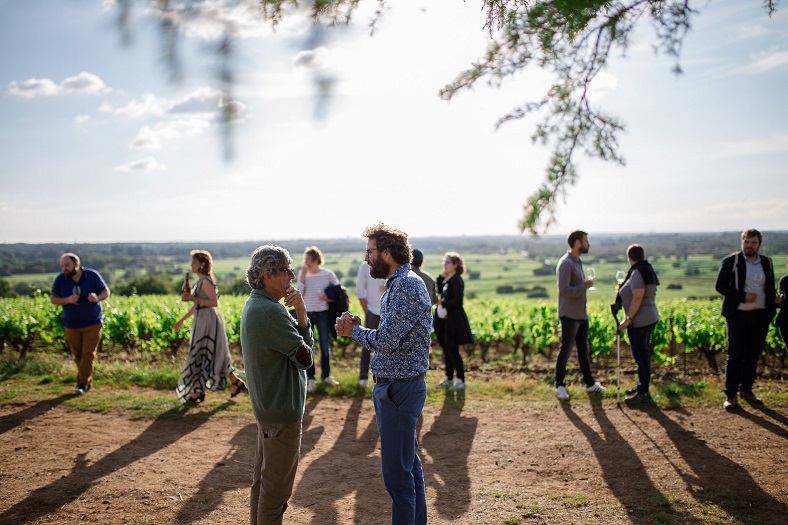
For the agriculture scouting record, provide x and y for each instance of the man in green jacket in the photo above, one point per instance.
(277, 351)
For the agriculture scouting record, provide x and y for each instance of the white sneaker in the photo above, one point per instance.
(445, 383)
(561, 393)
(310, 385)
(459, 384)
(79, 390)
(363, 383)
(331, 381)
(596, 388)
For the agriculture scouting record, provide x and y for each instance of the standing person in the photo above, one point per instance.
(572, 286)
(455, 328)
(638, 295)
(429, 282)
(369, 291)
(80, 291)
(277, 351)
(312, 282)
(400, 359)
(781, 322)
(208, 363)
(746, 282)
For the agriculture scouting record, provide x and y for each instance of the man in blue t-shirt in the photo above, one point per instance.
(80, 292)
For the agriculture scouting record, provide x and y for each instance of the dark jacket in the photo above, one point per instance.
(455, 329)
(732, 290)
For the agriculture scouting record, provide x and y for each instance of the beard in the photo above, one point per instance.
(583, 250)
(72, 273)
(379, 269)
(749, 252)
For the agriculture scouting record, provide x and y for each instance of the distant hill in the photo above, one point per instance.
(44, 258)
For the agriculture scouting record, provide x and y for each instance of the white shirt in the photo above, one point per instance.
(369, 288)
(313, 284)
(754, 282)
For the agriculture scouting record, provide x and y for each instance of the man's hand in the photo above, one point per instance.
(294, 299)
(93, 298)
(750, 298)
(589, 283)
(345, 323)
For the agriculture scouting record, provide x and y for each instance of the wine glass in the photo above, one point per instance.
(590, 276)
(76, 291)
(620, 276)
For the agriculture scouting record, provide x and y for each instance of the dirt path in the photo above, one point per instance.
(579, 463)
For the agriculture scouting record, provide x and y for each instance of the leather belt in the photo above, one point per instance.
(378, 379)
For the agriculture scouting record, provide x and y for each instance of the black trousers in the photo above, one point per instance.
(746, 331)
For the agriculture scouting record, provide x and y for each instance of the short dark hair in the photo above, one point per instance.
(752, 232)
(391, 239)
(636, 253)
(575, 236)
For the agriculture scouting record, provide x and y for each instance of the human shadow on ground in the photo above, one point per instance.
(622, 469)
(718, 479)
(10, 421)
(350, 467)
(448, 443)
(232, 472)
(165, 430)
(762, 421)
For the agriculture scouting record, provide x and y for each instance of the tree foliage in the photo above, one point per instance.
(573, 40)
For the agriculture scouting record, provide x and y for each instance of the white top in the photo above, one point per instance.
(369, 288)
(754, 282)
(316, 283)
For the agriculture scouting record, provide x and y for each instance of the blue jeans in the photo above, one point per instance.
(398, 406)
(640, 343)
(573, 331)
(322, 322)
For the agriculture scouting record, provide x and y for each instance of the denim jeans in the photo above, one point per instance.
(640, 343)
(573, 331)
(322, 322)
(398, 406)
(746, 333)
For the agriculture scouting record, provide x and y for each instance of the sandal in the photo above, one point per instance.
(197, 396)
(238, 387)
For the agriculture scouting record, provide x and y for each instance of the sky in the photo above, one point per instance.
(99, 143)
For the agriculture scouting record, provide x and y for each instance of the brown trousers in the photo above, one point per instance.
(83, 343)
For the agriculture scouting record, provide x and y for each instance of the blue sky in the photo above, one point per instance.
(98, 145)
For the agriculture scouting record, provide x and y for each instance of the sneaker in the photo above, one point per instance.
(596, 388)
(459, 384)
(363, 383)
(80, 389)
(750, 397)
(632, 391)
(445, 383)
(310, 385)
(638, 399)
(331, 381)
(730, 402)
(561, 393)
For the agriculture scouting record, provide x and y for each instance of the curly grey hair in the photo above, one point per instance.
(266, 258)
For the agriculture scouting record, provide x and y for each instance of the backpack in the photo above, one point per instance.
(339, 302)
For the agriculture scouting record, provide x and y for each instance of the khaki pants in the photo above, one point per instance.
(83, 343)
(275, 464)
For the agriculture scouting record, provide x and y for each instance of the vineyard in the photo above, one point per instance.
(503, 327)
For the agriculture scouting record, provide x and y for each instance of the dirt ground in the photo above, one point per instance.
(573, 463)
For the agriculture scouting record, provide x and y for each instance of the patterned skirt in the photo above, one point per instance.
(208, 364)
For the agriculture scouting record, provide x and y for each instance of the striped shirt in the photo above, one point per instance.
(313, 284)
(401, 344)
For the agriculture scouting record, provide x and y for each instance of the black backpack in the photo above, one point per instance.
(339, 302)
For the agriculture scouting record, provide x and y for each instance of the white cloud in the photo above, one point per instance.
(212, 19)
(81, 119)
(146, 165)
(603, 84)
(152, 137)
(105, 107)
(148, 105)
(203, 100)
(82, 83)
(768, 62)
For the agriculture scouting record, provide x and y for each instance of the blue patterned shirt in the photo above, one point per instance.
(401, 344)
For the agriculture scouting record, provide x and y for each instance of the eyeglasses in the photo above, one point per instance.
(289, 271)
(371, 250)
